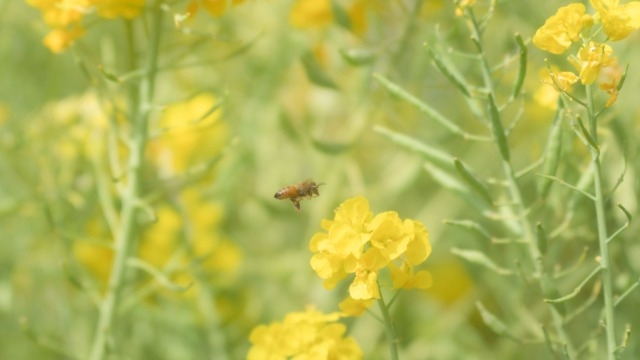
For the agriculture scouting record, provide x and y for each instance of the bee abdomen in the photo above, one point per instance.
(286, 193)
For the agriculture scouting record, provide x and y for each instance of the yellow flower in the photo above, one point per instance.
(162, 240)
(59, 39)
(311, 13)
(404, 278)
(463, 4)
(365, 283)
(358, 243)
(94, 256)
(61, 13)
(358, 16)
(353, 307)
(562, 80)
(618, 20)
(192, 134)
(213, 7)
(591, 58)
(303, 335)
(547, 97)
(562, 29)
(609, 81)
(111, 9)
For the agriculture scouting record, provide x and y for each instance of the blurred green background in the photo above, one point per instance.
(296, 100)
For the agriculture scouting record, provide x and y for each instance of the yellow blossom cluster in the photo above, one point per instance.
(65, 17)
(360, 244)
(163, 244)
(190, 133)
(594, 61)
(303, 335)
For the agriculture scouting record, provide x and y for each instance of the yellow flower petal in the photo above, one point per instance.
(591, 58)
(617, 20)
(311, 13)
(562, 29)
(59, 39)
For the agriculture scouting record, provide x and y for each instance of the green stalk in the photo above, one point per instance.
(607, 283)
(125, 236)
(392, 338)
(524, 225)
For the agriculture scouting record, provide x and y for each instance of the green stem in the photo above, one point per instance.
(125, 236)
(392, 338)
(524, 225)
(607, 283)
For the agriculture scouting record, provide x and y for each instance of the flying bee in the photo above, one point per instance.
(305, 190)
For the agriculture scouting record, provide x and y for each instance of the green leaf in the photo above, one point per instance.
(331, 148)
(494, 323)
(541, 239)
(471, 226)
(473, 181)
(480, 258)
(552, 151)
(436, 156)
(340, 15)
(522, 67)
(109, 76)
(497, 129)
(315, 73)
(448, 69)
(357, 57)
(424, 108)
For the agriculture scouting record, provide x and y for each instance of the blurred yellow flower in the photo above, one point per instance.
(358, 243)
(358, 16)
(59, 39)
(609, 80)
(160, 240)
(111, 9)
(617, 20)
(463, 4)
(403, 277)
(213, 7)
(562, 29)
(591, 58)
(64, 16)
(164, 239)
(314, 14)
(192, 133)
(95, 257)
(311, 13)
(546, 96)
(353, 307)
(303, 335)
(453, 281)
(61, 13)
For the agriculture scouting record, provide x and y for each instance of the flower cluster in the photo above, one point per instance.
(303, 335)
(65, 17)
(190, 134)
(358, 243)
(594, 61)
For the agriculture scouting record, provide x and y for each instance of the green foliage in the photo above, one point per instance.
(138, 169)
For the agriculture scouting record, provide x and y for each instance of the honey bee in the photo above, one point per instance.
(305, 190)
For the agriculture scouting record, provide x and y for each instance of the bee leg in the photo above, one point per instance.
(296, 204)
